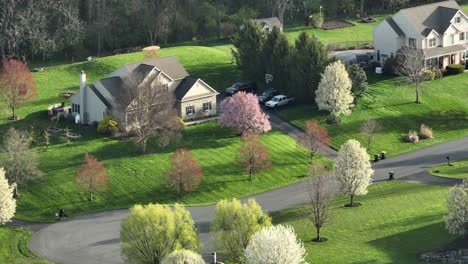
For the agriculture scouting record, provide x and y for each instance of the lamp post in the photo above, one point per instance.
(321, 10)
(448, 160)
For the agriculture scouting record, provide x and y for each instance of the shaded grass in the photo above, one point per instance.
(443, 108)
(14, 247)
(396, 222)
(459, 170)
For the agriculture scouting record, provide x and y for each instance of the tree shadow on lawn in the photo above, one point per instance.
(95, 69)
(405, 247)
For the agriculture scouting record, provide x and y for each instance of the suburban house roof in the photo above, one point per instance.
(395, 27)
(170, 65)
(100, 96)
(436, 16)
(185, 86)
(270, 21)
(440, 51)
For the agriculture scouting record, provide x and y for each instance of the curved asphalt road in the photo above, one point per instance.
(94, 238)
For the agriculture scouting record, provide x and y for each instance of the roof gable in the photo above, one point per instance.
(192, 88)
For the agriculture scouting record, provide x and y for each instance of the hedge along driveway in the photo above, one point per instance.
(443, 108)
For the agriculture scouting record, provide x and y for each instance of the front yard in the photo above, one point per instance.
(14, 247)
(443, 108)
(457, 170)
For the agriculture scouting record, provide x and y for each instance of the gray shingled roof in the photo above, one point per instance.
(184, 87)
(440, 51)
(431, 16)
(170, 65)
(271, 22)
(395, 27)
(100, 96)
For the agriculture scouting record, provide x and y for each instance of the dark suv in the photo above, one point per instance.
(248, 87)
(267, 95)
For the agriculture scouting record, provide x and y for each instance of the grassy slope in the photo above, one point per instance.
(444, 109)
(16, 250)
(459, 170)
(396, 222)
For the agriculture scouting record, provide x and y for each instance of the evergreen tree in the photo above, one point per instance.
(276, 57)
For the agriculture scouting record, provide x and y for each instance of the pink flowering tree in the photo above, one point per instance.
(242, 113)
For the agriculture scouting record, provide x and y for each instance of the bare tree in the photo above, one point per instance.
(369, 128)
(280, 7)
(410, 63)
(322, 188)
(150, 111)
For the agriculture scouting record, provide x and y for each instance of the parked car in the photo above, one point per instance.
(280, 100)
(267, 95)
(248, 87)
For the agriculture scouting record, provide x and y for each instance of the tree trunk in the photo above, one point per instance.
(311, 156)
(351, 203)
(2, 53)
(369, 142)
(417, 93)
(91, 196)
(13, 113)
(318, 234)
(250, 175)
(143, 147)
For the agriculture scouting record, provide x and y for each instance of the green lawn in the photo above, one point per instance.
(14, 247)
(396, 222)
(459, 170)
(443, 108)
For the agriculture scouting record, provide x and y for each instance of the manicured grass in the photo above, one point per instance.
(396, 222)
(443, 108)
(458, 170)
(14, 247)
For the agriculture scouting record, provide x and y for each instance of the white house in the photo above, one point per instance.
(195, 99)
(439, 29)
(267, 24)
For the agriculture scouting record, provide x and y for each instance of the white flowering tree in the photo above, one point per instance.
(334, 91)
(7, 202)
(353, 170)
(456, 220)
(275, 244)
(183, 257)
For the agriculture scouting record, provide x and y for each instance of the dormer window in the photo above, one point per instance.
(432, 42)
(457, 20)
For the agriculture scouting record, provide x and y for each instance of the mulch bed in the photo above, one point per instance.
(334, 24)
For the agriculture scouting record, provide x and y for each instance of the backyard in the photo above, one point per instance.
(396, 222)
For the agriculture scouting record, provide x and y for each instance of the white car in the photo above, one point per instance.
(279, 100)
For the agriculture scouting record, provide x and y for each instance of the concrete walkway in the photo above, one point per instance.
(94, 238)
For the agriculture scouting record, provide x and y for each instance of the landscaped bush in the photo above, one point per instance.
(389, 67)
(316, 20)
(438, 74)
(108, 126)
(429, 75)
(455, 69)
(412, 136)
(425, 132)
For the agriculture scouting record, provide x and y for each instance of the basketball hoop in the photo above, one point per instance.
(268, 78)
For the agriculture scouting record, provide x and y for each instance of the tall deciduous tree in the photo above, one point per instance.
(368, 130)
(183, 257)
(321, 192)
(152, 232)
(151, 110)
(314, 137)
(353, 170)
(234, 225)
(410, 64)
(242, 113)
(91, 176)
(7, 201)
(253, 155)
(275, 244)
(185, 172)
(17, 85)
(19, 160)
(334, 91)
(456, 220)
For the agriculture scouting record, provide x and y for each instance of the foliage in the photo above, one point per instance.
(108, 126)
(17, 85)
(425, 132)
(390, 67)
(457, 209)
(314, 137)
(454, 69)
(183, 257)
(276, 53)
(412, 137)
(7, 201)
(19, 160)
(317, 20)
(185, 172)
(358, 78)
(253, 155)
(353, 170)
(334, 91)
(275, 244)
(242, 113)
(234, 225)
(437, 74)
(369, 128)
(308, 60)
(322, 190)
(91, 176)
(152, 232)
(429, 75)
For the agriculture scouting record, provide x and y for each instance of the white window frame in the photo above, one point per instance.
(462, 36)
(432, 42)
(451, 39)
(457, 20)
(209, 108)
(191, 108)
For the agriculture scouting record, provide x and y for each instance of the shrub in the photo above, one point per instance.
(437, 74)
(429, 75)
(316, 20)
(412, 136)
(389, 68)
(108, 126)
(455, 69)
(425, 132)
